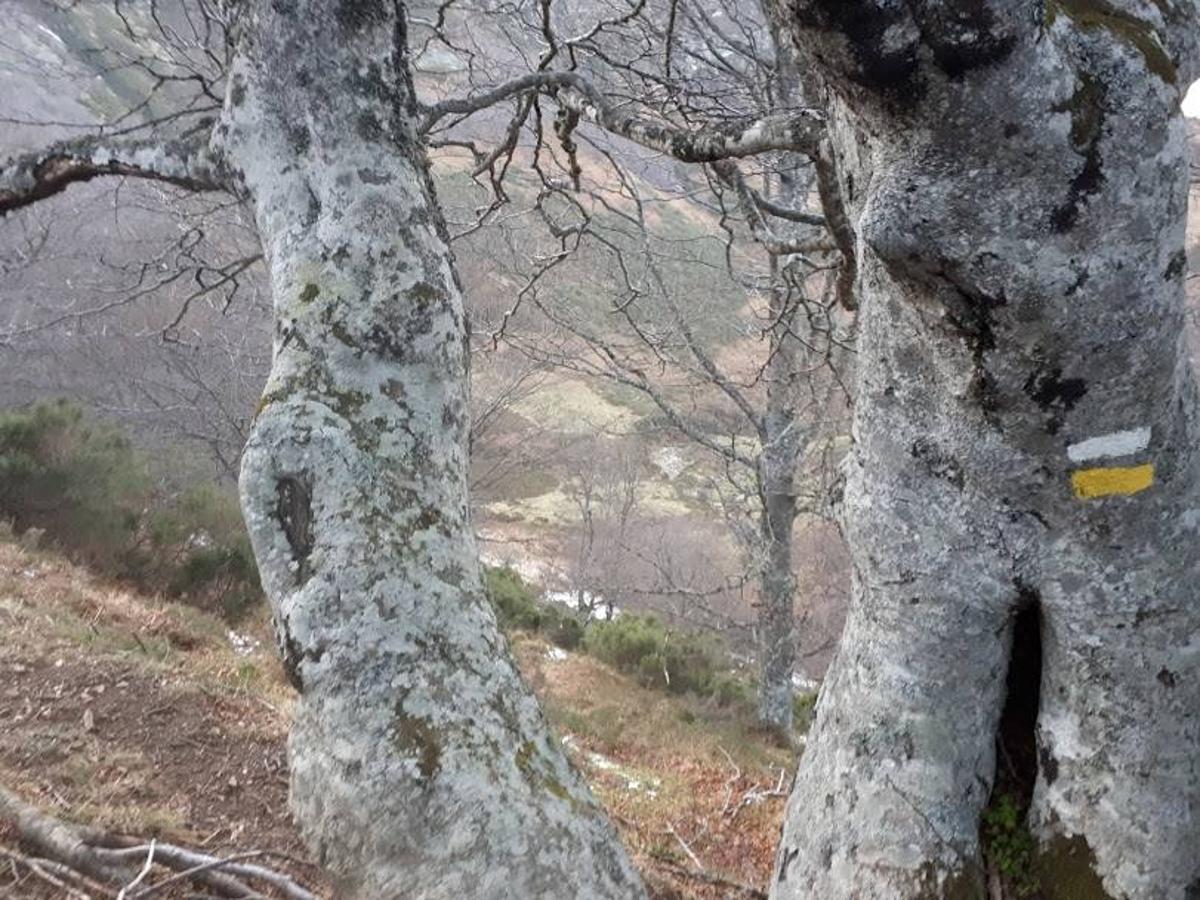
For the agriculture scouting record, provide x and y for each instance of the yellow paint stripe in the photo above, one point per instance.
(1106, 482)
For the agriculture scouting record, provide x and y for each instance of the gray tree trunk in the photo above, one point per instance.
(420, 764)
(792, 364)
(1025, 480)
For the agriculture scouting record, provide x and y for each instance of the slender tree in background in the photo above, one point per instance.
(714, 62)
(420, 763)
(1024, 491)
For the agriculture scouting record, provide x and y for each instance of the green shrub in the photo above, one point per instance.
(728, 690)
(563, 629)
(78, 481)
(625, 641)
(680, 662)
(203, 535)
(804, 707)
(1008, 845)
(514, 601)
(84, 486)
(518, 609)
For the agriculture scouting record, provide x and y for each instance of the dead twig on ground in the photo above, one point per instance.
(94, 858)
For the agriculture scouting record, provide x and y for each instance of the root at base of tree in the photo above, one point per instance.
(87, 863)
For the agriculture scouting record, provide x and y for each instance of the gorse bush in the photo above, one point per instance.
(659, 657)
(203, 538)
(676, 661)
(514, 601)
(84, 485)
(79, 482)
(517, 609)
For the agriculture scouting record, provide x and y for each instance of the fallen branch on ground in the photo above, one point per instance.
(708, 878)
(93, 859)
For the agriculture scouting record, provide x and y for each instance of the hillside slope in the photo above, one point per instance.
(152, 719)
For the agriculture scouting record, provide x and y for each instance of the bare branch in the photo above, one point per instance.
(35, 176)
(799, 130)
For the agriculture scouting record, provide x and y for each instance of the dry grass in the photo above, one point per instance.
(138, 715)
(670, 770)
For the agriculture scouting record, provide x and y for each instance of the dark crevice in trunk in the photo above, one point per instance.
(1008, 847)
(1016, 743)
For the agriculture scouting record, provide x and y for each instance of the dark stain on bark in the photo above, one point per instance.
(962, 36)
(886, 68)
(787, 856)
(384, 343)
(1086, 107)
(290, 655)
(369, 128)
(1176, 267)
(293, 509)
(1047, 764)
(371, 176)
(1048, 388)
(937, 463)
(300, 139)
(355, 15)
(971, 319)
(1055, 394)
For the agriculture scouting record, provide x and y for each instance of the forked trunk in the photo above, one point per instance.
(1025, 480)
(420, 764)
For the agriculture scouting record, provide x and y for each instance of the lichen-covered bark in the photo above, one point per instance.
(1025, 433)
(36, 176)
(420, 764)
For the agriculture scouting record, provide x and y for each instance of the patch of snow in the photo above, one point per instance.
(1191, 101)
(670, 461)
(649, 786)
(580, 601)
(804, 685)
(243, 644)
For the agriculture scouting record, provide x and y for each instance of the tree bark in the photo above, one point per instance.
(1026, 439)
(782, 445)
(420, 763)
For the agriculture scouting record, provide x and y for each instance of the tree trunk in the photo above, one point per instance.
(783, 431)
(420, 763)
(1023, 497)
(777, 585)
(777, 463)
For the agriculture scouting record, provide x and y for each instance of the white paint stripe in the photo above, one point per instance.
(1119, 443)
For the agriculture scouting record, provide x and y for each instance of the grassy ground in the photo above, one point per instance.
(142, 717)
